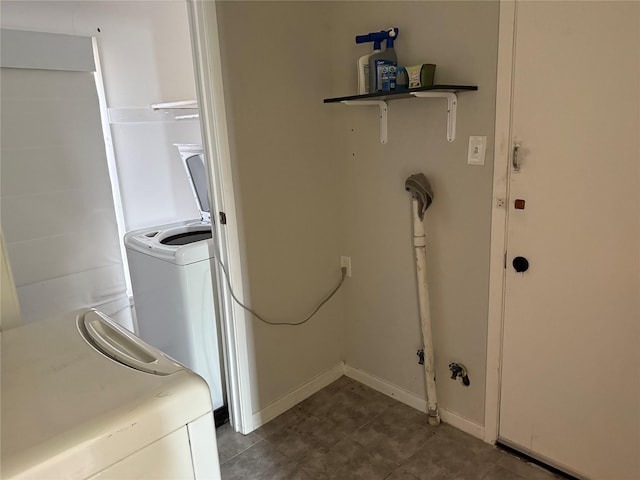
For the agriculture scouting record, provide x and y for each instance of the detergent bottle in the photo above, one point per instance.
(380, 62)
(366, 67)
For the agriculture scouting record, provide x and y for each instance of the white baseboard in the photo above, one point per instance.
(462, 423)
(291, 399)
(387, 388)
(317, 383)
(394, 391)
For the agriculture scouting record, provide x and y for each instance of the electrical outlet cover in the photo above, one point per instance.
(346, 263)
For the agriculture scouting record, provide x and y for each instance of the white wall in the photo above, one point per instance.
(383, 328)
(146, 58)
(276, 68)
(315, 183)
(57, 207)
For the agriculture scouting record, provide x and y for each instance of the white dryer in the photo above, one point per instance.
(173, 284)
(84, 398)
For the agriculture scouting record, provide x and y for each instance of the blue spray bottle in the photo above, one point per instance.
(368, 78)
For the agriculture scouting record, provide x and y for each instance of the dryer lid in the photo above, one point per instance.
(121, 345)
(70, 411)
(193, 161)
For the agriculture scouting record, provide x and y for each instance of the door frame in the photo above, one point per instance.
(499, 217)
(215, 143)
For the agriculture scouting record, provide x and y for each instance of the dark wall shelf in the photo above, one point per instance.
(404, 93)
(380, 99)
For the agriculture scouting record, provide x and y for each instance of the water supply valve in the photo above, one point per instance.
(459, 370)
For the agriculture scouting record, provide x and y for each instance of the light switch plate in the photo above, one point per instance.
(477, 148)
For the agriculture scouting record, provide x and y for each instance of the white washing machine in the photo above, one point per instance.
(84, 398)
(173, 284)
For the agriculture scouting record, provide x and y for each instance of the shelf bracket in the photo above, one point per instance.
(383, 114)
(452, 106)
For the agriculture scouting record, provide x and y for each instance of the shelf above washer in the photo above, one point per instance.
(380, 99)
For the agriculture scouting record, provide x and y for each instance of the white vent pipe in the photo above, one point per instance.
(419, 245)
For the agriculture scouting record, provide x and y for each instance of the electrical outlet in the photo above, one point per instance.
(477, 147)
(345, 262)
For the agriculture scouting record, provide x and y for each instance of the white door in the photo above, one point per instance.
(570, 391)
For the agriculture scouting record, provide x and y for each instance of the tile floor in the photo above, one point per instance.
(348, 431)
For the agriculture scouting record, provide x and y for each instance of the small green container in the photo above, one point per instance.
(421, 75)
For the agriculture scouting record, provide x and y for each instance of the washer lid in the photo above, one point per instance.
(121, 345)
(193, 160)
